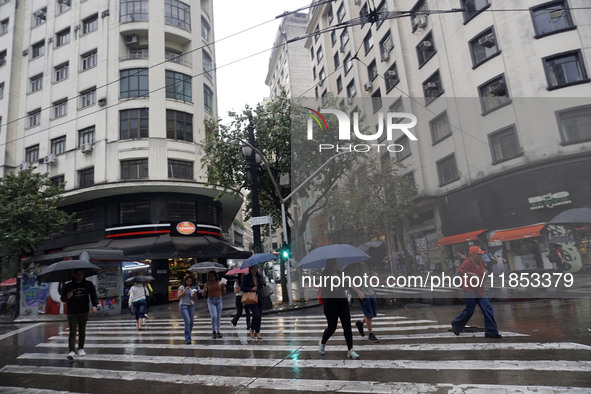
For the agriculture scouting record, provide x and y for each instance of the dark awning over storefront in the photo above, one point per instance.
(166, 246)
(459, 238)
(517, 233)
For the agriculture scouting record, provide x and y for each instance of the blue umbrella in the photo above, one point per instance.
(257, 258)
(344, 253)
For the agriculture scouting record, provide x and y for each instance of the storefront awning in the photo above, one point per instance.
(517, 233)
(459, 238)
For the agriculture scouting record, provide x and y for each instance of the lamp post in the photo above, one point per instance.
(282, 200)
(253, 158)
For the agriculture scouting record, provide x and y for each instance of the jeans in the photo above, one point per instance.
(472, 299)
(188, 314)
(335, 309)
(215, 310)
(239, 308)
(77, 321)
(140, 308)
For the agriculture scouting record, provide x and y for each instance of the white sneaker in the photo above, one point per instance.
(321, 348)
(81, 352)
(71, 355)
(353, 354)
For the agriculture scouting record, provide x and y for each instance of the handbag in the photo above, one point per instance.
(320, 298)
(267, 291)
(250, 298)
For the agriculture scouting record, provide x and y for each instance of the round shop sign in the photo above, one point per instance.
(186, 228)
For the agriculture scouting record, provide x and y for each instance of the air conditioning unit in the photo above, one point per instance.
(487, 41)
(25, 52)
(390, 74)
(367, 85)
(40, 14)
(86, 148)
(425, 45)
(497, 88)
(25, 165)
(50, 158)
(131, 39)
(385, 56)
(419, 22)
(77, 27)
(50, 40)
(431, 85)
(105, 13)
(102, 102)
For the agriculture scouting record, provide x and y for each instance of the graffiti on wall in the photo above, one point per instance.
(33, 295)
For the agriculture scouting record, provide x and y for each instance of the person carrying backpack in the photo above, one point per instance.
(556, 257)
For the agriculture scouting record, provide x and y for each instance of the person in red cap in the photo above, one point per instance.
(474, 293)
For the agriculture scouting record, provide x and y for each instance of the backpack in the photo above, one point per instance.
(553, 256)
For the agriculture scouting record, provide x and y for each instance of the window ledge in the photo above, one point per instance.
(450, 181)
(566, 85)
(581, 141)
(509, 102)
(439, 140)
(494, 163)
(433, 98)
(427, 60)
(474, 67)
(466, 20)
(538, 36)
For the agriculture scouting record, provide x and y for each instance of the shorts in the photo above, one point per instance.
(369, 306)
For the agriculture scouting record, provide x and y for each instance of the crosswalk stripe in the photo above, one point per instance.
(513, 365)
(11, 333)
(283, 384)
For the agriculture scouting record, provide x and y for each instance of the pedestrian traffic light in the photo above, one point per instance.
(285, 252)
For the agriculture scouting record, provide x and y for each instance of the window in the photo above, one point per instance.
(351, 91)
(322, 75)
(551, 17)
(172, 55)
(181, 210)
(60, 108)
(418, 16)
(134, 123)
(341, 13)
(134, 212)
(386, 46)
(58, 145)
(494, 94)
(39, 16)
(63, 6)
(348, 62)
(473, 8)
(381, 10)
(38, 49)
(139, 53)
(336, 61)
(329, 14)
(432, 88)
(134, 83)
(504, 144)
(62, 37)
(447, 170)
(207, 65)
(178, 86)
(368, 42)
(405, 144)
(314, 72)
(1, 93)
(89, 60)
(425, 49)
(4, 27)
(205, 30)
(363, 13)
(391, 77)
(324, 97)
(177, 14)
(440, 128)
(134, 169)
(2, 58)
(88, 98)
(34, 118)
(180, 169)
(86, 177)
(565, 69)
(333, 38)
(36, 83)
(319, 55)
(32, 154)
(376, 101)
(575, 125)
(179, 125)
(59, 181)
(372, 71)
(344, 38)
(133, 11)
(339, 84)
(61, 72)
(483, 47)
(85, 217)
(207, 99)
(90, 24)
(316, 33)
(86, 136)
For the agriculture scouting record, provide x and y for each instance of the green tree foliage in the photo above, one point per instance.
(29, 212)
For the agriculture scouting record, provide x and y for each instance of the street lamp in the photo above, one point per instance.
(281, 199)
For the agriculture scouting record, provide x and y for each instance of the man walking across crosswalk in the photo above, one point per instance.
(473, 273)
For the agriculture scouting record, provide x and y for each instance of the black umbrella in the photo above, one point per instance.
(139, 278)
(207, 266)
(63, 271)
(576, 215)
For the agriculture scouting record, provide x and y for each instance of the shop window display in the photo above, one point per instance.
(177, 269)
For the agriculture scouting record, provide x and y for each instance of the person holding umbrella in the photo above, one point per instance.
(77, 294)
(138, 302)
(254, 282)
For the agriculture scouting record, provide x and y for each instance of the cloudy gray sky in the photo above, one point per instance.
(243, 82)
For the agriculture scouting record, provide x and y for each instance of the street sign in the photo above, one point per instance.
(258, 220)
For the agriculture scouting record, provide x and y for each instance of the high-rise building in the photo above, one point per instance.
(502, 95)
(110, 98)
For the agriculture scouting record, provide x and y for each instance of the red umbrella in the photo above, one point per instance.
(9, 282)
(237, 271)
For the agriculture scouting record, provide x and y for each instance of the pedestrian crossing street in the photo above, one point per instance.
(412, 356)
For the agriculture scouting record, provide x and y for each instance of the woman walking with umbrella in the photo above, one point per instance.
(254, 282)
(138, 302)
(77, 294)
